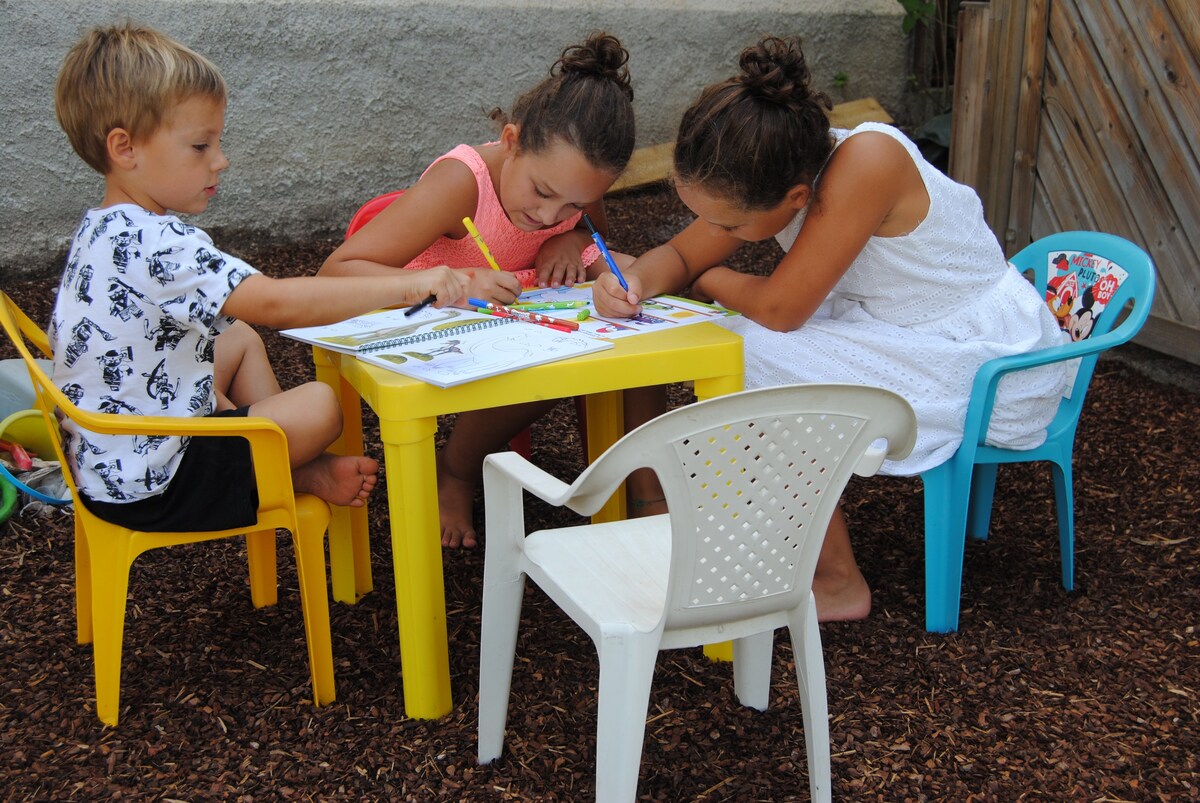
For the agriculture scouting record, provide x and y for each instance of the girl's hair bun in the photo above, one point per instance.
(757, 134)
(586, 101)
(600, 55)
(774, 70)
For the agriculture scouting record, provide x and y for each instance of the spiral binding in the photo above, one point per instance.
(426, 336)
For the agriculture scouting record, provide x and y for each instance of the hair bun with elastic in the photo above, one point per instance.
(774, 70)
(600, 55)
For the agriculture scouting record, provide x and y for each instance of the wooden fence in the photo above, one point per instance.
(1084, 114)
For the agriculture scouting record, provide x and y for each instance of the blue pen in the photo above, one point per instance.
(612, 263)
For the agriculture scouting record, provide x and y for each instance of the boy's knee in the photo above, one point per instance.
(242, 336)
(324, 406)
(236, 341)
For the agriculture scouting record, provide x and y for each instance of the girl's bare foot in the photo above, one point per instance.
(338, 479)
(841, 599)
(456, 501)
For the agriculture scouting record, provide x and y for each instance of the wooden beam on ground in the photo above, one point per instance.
(654, 163)
(646, 166)
(854, 112)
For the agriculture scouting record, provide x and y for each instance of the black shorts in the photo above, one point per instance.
(212, 489)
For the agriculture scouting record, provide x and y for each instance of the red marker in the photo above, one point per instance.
(531, 317)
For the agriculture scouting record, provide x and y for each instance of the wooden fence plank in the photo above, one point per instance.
(968, 145)
(1140, 153)
(1157, 135)
(1096, 145)
(1060, 187)
(1118, 148)
(1173, 60)
(1186, 14)
(1025, 136)
(1006, 50)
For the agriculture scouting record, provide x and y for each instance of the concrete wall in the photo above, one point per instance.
(335, 101)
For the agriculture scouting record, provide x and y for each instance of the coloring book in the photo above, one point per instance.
(449, 346)
(1079, 287)
(658, 313)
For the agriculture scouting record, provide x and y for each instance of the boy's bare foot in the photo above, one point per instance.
(338, 479)
(456, 501)
(842, 599)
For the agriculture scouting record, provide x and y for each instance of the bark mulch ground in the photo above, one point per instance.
(1041, 695)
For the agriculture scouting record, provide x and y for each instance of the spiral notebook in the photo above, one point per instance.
(449, 346)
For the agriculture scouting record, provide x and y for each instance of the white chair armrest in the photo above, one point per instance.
(872, 459)
(541, 484)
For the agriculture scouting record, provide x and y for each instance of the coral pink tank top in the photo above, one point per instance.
(514, 250)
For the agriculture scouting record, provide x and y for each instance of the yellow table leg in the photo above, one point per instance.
(721, 651)
(360, 532)
(349, 530)
(605, 425)
(718, 386)
(708, 389)
(417, 563)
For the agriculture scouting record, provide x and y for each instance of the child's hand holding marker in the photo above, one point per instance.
(611, 300)
(475, 235)
(604, 252)
(623, 301)
(495, 283)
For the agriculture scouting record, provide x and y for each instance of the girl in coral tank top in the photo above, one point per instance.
(564, 144)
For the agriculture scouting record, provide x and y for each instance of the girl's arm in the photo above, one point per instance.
(666, 269)
(318, 300)
(433, 207)
(558, 260)
(871, 187)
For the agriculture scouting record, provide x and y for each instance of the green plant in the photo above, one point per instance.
(917, 12)
(840, 82)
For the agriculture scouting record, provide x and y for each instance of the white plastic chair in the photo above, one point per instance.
(751, 481)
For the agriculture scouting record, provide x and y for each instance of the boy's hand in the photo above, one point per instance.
(447, 286)
(497, 286)
(558, 261)
(612, 300)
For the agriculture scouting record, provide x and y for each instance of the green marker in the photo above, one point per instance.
(543, 305)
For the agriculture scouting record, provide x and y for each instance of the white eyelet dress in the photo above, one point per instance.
(918, 314)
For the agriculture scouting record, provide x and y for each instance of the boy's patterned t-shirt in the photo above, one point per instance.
(133, 330)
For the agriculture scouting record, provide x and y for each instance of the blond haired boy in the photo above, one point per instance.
(151, 318)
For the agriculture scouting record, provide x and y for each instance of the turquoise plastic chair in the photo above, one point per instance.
(958, 493)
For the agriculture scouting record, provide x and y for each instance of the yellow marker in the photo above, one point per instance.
(474, 232)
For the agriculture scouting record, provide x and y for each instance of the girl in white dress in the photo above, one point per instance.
(891, 276)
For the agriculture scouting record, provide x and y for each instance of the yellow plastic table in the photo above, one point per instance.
(704, 353)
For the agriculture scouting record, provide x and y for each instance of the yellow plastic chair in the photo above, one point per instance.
(104, 552)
